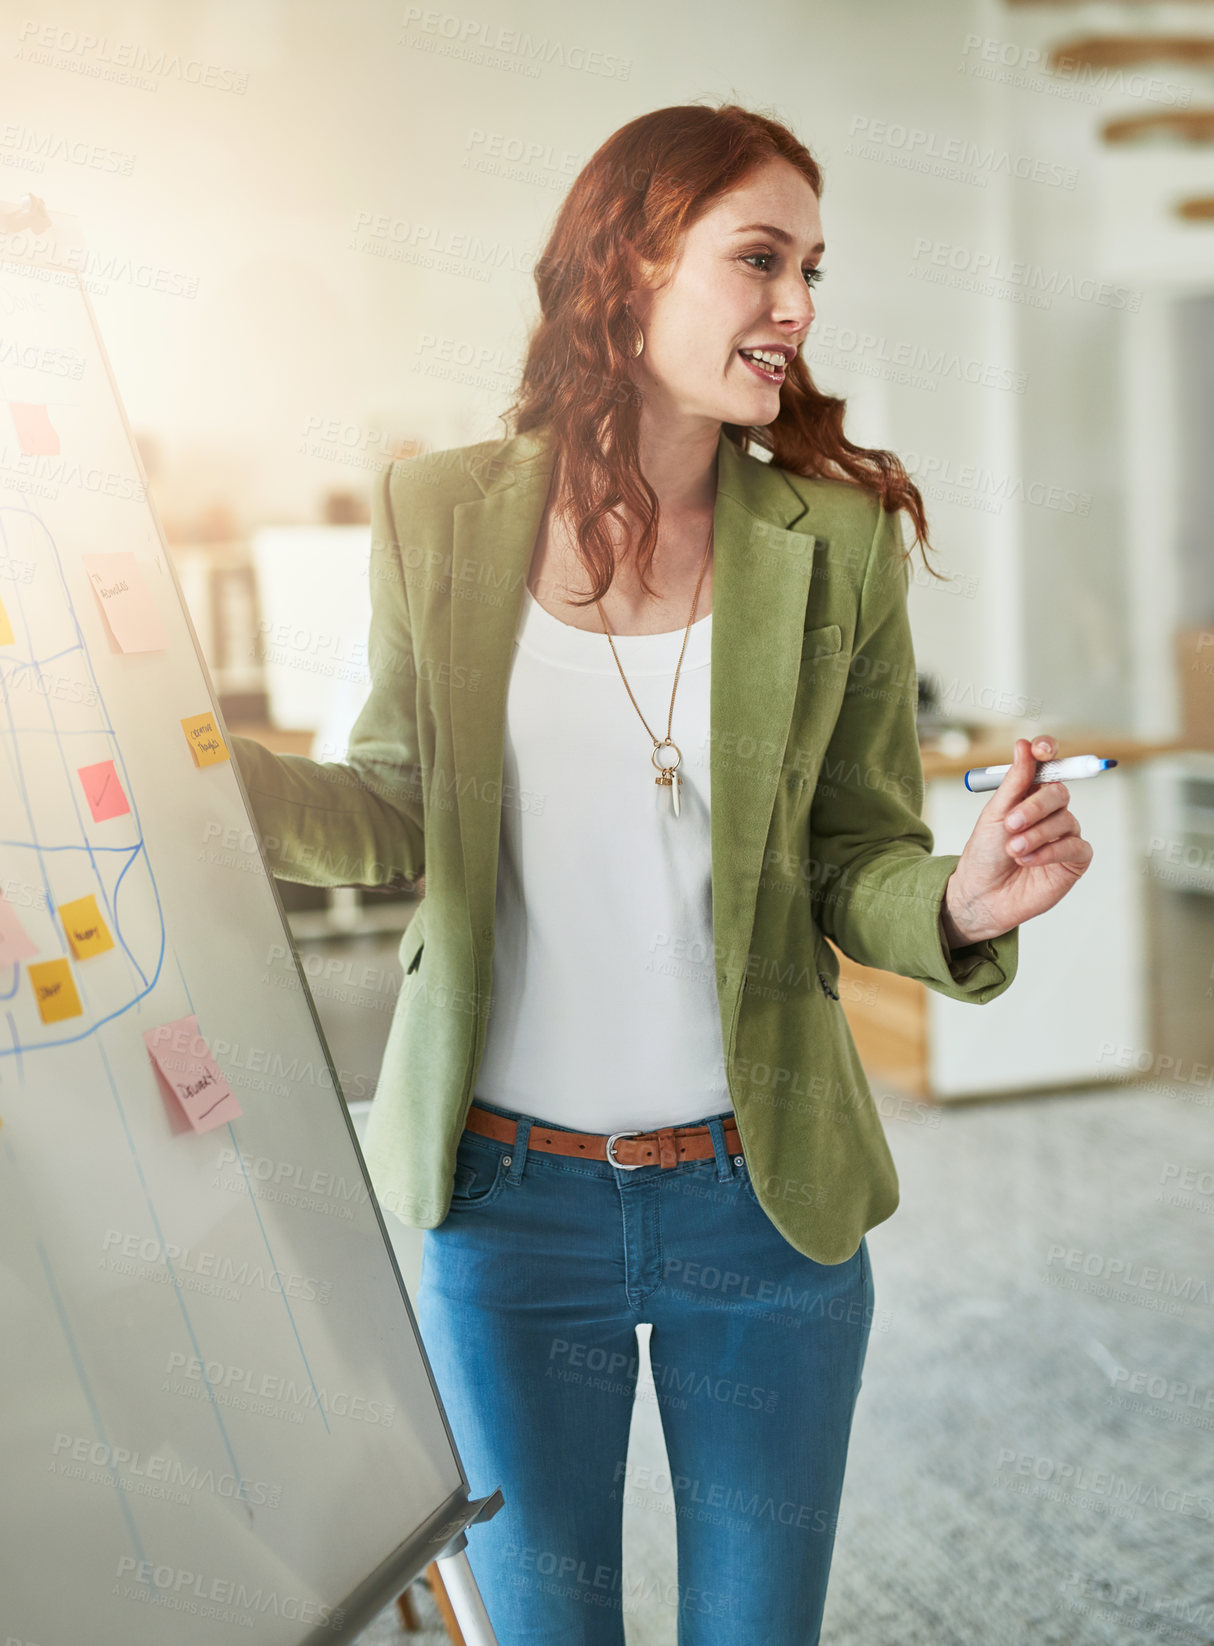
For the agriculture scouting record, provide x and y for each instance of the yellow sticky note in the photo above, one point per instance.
(55, 990)
(202, 734)
(86, 929)
(7, 637)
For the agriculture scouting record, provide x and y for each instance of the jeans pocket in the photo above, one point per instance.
(748, 1188)
(480, 1174)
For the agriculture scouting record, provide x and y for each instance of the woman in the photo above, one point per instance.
(643, 710)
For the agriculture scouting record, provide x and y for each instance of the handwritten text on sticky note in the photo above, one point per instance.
(196, 1080)
(86, 930)
(202, 734)
(126, 601)
(55, 990)
(103, 791)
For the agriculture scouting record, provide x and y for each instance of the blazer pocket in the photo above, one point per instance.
(412, 943)
(828, 965)
(822, 642)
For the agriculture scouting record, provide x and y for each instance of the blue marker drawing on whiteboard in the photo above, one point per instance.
(1048, 771)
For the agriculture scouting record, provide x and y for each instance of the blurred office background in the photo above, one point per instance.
(317, 256)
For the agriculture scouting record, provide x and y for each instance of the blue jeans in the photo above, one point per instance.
(531, 1291)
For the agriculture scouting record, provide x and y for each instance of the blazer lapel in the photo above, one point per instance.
(761, 577)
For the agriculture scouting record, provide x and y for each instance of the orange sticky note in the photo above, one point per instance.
(86, 930)
(35, 431)
(102, 790)
(196, 1080)
(202, 734)
(126, 601)
(7, 637)
(55, 990)
(15, 942)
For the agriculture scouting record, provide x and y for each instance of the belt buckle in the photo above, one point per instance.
(622, 1165)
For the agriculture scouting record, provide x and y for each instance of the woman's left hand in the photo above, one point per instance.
(1025, 854)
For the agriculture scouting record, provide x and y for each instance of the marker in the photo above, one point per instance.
(1048, 771)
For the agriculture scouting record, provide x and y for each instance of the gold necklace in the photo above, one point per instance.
(667, 776)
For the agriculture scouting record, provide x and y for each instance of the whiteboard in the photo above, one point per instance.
(215, 1409)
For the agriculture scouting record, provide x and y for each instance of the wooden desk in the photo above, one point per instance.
(1079, 992)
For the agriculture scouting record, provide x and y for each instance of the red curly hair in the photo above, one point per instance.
(644, 188)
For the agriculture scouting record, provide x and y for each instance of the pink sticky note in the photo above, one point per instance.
(35, 430)
(192, 1074)
(15, 941)
(126, 601)
(102, 790)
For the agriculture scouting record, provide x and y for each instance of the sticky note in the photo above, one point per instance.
(7, 637)
(126, 601)
(195, 1079)
(202, 734)
(86, 930)
(55, 990)
(102, 790)
(15, 942)
(35, 431)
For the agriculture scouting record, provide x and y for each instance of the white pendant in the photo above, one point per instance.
(666, 756)
(669, 782)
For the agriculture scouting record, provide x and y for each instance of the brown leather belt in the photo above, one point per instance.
(667, 1146)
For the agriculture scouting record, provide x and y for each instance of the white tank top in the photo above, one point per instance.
(604, 1013)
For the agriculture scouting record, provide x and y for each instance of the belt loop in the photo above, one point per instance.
(724, 1162)
(518, 1152)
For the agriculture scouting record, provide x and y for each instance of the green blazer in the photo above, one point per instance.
(816, 820)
